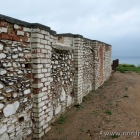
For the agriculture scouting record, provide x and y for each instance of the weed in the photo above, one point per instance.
(78, 106)
(59, 130)
(108, 112)
(84, 98)
(125, 96)
(62, 119)
(126, 88)
(82, 129)
(114, 136)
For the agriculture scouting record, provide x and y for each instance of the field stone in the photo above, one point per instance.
(2, 55)
(69, 100)
(1, 85)
(63, 95)
(2, 71)
(3, 129)
(1, 106)
(58, 109)
(9, 89)
(1, 98)
(11, 109)
(4, 136)
(27, 91)
(1, 46)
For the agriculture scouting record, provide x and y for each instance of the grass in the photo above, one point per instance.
(84, 98)
(59, 130)
(78, 106)
(62, 119)
(108, 112)
(115, 136)
(125, 96)
(128, 67)
(82, 129)
(126, 88)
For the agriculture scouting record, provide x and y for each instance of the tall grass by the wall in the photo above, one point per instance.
(128, 67)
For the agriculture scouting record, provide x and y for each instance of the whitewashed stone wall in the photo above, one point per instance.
(42, 74)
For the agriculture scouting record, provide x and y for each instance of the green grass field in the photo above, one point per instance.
(128, 67)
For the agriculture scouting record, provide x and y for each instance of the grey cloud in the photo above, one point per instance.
(112, 21)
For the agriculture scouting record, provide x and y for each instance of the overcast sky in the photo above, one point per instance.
(116, 22)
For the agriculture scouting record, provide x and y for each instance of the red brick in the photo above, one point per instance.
(5, 36)
(36, 80)
(29, 75)
(36, 90)
(15, 38)
(11, 32)
(3, 24)
(20, 29)
(107, 48)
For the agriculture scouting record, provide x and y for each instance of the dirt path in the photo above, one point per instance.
(119, 97)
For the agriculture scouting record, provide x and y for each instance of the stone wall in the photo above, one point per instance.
(102, 63)
(42, 74)
(15, 82)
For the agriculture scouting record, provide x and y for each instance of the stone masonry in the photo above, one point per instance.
(42, 74)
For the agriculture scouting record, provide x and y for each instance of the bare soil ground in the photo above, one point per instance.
(114, 107)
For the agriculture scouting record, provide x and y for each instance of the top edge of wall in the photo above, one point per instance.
(43, 27)
(26, 24)
(101, 42)
(70, 35)
(80, 36)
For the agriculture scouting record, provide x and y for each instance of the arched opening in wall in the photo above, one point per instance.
(88, 68)
(62, 73)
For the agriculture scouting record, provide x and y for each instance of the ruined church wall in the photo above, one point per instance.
(42, 74)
